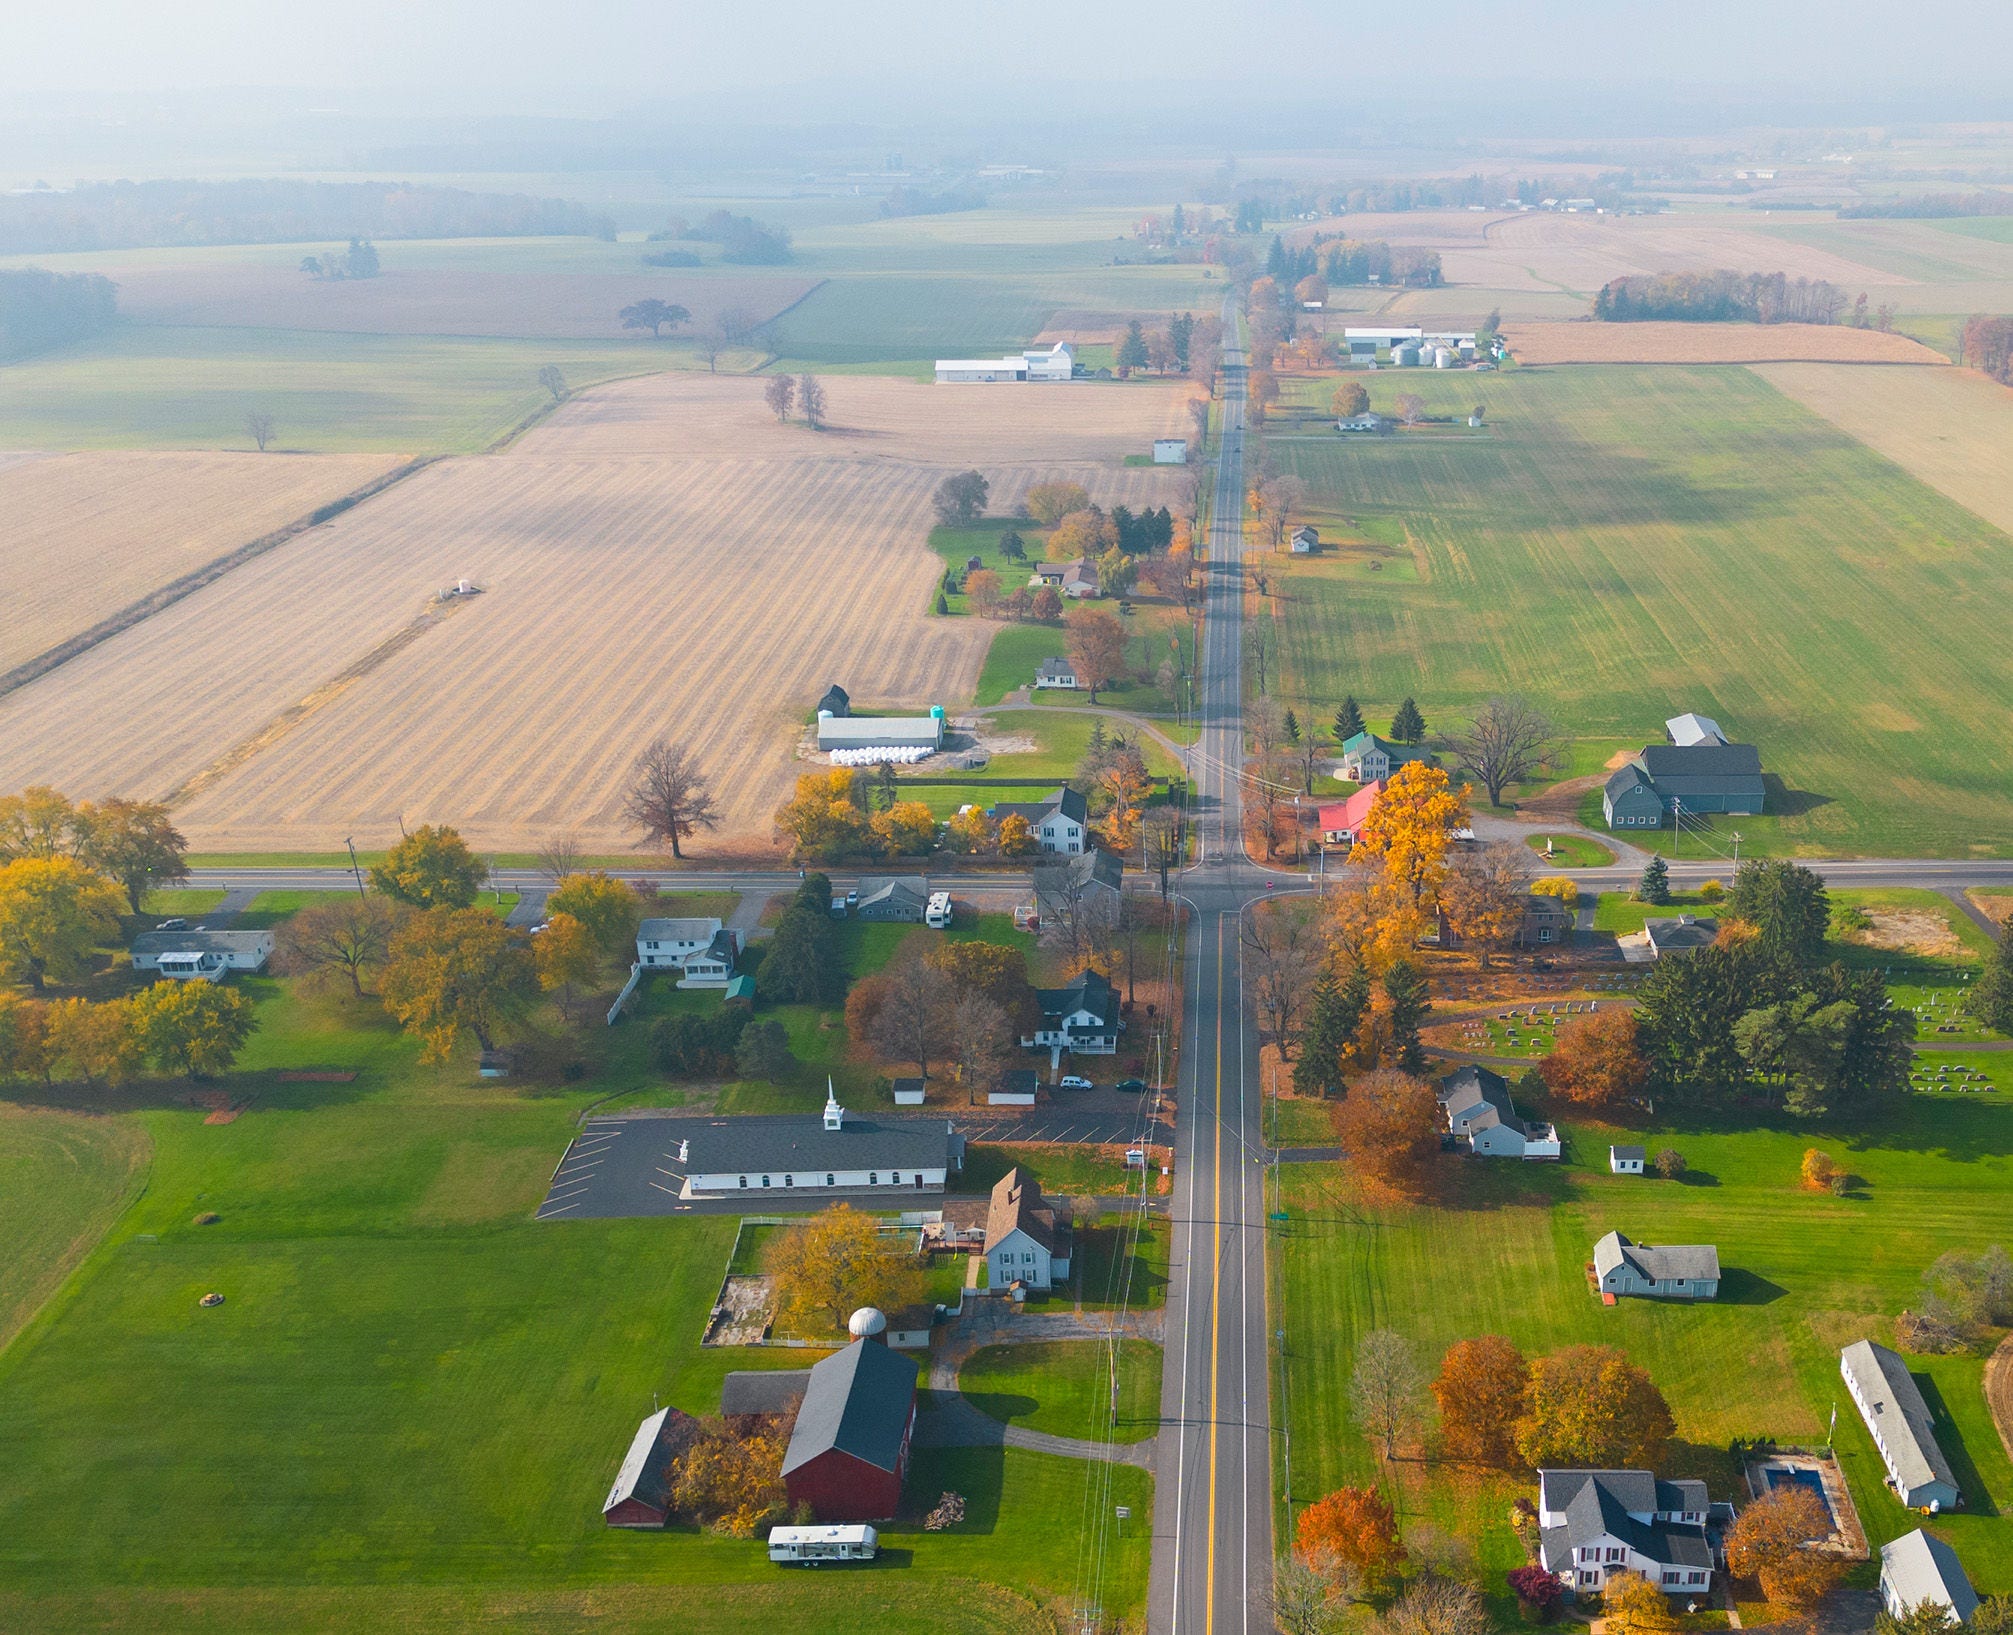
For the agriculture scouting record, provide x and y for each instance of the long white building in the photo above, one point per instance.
(1057, 363)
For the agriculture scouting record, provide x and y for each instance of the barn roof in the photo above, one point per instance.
(658, 1440)
(763, 1390)
(857, 1401)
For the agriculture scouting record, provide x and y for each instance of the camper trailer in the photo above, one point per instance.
(814, 1546)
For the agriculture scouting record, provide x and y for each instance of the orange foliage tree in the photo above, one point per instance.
(1480, 1391)
(1411, 828)
(1590, 1406)
(1388, 1125)
(1353, 1524)
(1767, 1544)
(1598, 1061)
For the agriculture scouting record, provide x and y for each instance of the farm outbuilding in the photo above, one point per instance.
(641, 1495)
(910, 732)
(1170, 451)
(1891, 1403)
(849, 1449)
(1920, 1569)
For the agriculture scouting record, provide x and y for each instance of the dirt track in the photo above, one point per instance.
(661, 557)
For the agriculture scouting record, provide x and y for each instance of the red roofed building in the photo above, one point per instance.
(1342, 821)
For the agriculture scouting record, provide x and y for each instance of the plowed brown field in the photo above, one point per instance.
(659, 557)
(1710, 343)
(84, 535)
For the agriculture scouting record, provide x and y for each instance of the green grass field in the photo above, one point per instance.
(64, 1178)
(1805, 1274)
(1570, 852)
(1064, 1387)
(1631, 542)
(143, 386)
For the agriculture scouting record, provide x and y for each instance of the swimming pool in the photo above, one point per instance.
(1780, 1476)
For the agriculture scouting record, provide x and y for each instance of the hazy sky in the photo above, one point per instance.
(570, 56)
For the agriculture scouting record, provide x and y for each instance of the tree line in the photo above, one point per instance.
(1352, 261)
(40, 309)
(132, 215)
(1719, 297)
(1929, 206)
(742, 239)
(1987, 345)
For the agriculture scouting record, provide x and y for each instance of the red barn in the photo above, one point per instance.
(849, 1450)
(641, 1496)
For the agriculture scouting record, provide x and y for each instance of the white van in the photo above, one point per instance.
(937, 911)
(814, 1546)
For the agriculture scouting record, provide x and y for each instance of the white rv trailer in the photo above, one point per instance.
(814, 1546)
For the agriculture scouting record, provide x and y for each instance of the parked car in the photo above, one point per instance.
(171, 925)
(1132, 1087)
(838, 907)
(1075, 1081)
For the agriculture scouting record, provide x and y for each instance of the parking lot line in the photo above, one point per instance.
(555, 1194)
(547, 1212)
(661, 1187)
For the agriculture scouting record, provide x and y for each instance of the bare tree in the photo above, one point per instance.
(1309, 1598)
(915, 1020)
(1507, 742)
(559, 857)
(1411, 407)
(1077, 915)
(779, 394)
(344, 937)
(668, 797)
(738, 325)
(1198, 414)
(1307, 755)
(1282, 954)
(811, 395)
(710, 340)
(1436, 1605)
(1484, 895)
(979, 1038)
(261, 428)
(1267, 721)
(1388, 1390)
(553, 381)
(1258, 641)
(1283, 495)
(1164, 841)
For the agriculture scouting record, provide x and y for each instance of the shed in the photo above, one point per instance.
(641, 1494)
(909, 1092)
(740, 992)
(1627, 1160)
(1306, 540)
(835, 701)
(1920, 1568)
(1891, 1403)
(1015, 1087)
(1170, 451)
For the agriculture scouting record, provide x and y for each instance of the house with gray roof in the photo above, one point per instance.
(702, 951)
(1056, 672)
(1093, 878)
(1060, 823)
(1595, 1523)
(1081, 1018)
(1891, 1403)
(1678, 934)
(900, 898)
(1028, 1237)
(1669, 1271)
(198, 955)
(641, 1494)
(1920, 1568)
(1366, 757)
(1481, 1116)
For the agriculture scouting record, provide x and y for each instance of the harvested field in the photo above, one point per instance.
(84, 535)
(435, 300)
(1588, 342)
(1952, 428)
(635, 552)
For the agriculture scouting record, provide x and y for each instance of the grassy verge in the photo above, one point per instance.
(1064, 1387)
(1571, 851)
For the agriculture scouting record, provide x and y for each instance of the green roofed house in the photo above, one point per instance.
(1366, 757)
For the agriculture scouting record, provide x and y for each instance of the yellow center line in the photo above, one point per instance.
(1215, 1299)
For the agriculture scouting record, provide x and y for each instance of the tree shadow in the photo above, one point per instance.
(1949, 1437)
(1698, 1178)
(1007, 1407)
(1740, 1287)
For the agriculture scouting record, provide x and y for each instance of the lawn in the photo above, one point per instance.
(64, 1178)
(1155, 631)
(1615, 577)
(1060, 1170)
(1806, 1274)
(1571, 852)
(141, 386)
(185, 903)
(1621, 913)
(1064, 1387)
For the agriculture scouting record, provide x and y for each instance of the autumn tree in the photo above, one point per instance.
(1410, 829)
(1085, 533)
(982, 591)
(1372, 920)
(1261, 391)
(1349, 400)
(133, 842)
(1017, 836)
(430, 868)
(1354, 1525)
(608, 909)
(567, 958)
(24, 1037)
(55, 913)
(836, 1262)
(730, 1482)
(960, 499)
(654, 315)
(1280, 954)
(1590, 1406)
(1124, 786)
(340, 937)
(193, 1028)
(1389, 1130)
(1483, 896)
(780, 393)
(1769, 1542)
(98, 1043)
(1387, 1388)
(1480, 1391)
(915, 1016)
(668, 797)
(970, 831)
(1096, 642)
(456, 969)
(822, 820)
(1411, 407)
(1506, 742)
(811, 399)
(1597, 1061)
(1049, 503)
(906, 829)
(977, 1037)
(1633, 1605)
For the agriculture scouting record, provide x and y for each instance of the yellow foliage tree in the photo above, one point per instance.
(24, 1037)
(54, 914)
(1017, 837)
(456, 968)
(94, 1042)
(1411, 828)
(729, 1483)
(836, 1262)
(821, 820)
(566, 957)
(1088, 532)
(1371, 920)
(908, 828)
(1126, 784)
(1049, 503)
(971, 831)
(1635, 1606)
(608, 909)
(1557, 885)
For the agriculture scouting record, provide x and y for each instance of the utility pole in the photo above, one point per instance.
(353, 866)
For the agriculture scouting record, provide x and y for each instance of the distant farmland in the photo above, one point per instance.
(1622, 544)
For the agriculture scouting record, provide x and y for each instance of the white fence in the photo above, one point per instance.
(628, 988)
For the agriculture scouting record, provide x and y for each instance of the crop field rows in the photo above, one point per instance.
(633, 573)
(1541, 343)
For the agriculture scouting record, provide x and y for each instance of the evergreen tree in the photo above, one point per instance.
(1406, 990)
(1132, 350)
(1012, 546)
(943, 607)
(1786, 903)
(1332, 1022)
(1292, 728)
(1655, 885)
(1408, 726)
(1276, 266)
(1348, 720)
(1181, 330)
(885, 792)
(1991, 999)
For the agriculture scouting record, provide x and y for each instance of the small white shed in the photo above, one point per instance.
(1626, 1160)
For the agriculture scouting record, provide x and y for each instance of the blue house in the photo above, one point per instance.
(1696, 778)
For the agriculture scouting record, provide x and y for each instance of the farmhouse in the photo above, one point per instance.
(835, 1153)
(901, 898)
(1918, 1567)
(1547, 920)
(1306, 540)
(1076, 580)
(1627, 1160)
(1892, 1406)
(1056, 673)
(1057, 363)
(701, 949)
(201, 956)
(1027, 1237)
(1366, 758)
(1594, 1523)
(1061, 823)
(1342, 821)
(1368, 420)
(1170, 451)
(641, 1496)
(1481, 1116)
(1704, 775)
(923, 733)
(1081, 1018)
(1091, 880)
(849, 1448)
(1678, 934)
(1684, 1271)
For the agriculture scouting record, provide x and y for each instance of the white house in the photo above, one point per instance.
(1592, 1523)
(1027, 1238)
(728, 1157)
(1919, 1567)
(1891, 1404)
(1170, 451)
(701, 950)
(1481, 1115)
(1060, 823)
(201, 956)
(1306, 540)
(1668, 1271)
(1368, 420)
(1082, 1019)
(1058, 673)
(1057, 363)
(1627, 1160)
